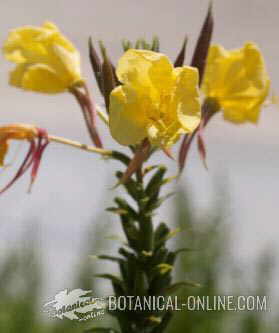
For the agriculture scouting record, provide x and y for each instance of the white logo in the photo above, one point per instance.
(77, 304)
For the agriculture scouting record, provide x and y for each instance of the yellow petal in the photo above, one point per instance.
(22, 44)
(145, 70)
(50, 25)
(187, 98)
(16, 76)
(41, 78)
(68, 65)
(127, 124)
(255, 66)
(214, 74)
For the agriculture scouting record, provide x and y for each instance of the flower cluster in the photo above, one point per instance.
(150, 101)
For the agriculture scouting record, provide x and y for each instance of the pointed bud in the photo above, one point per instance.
(168, 153)
(179, 62)
(140, 156)
(96, 64)
(108, 76)
(139, 44)
(126, 45)
(203, 43)
(145, 45)
(202, 149)
(41, 146)
(155, 44)
(183, 152)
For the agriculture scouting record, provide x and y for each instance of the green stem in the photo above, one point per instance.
(145, 263)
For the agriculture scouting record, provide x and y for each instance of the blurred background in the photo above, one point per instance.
(231, 209)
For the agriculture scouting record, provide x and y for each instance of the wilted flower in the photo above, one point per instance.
(46, 61)
(156, 100)
(38, 141)
(238, 81)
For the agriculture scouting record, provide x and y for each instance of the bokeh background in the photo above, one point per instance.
(73, 187)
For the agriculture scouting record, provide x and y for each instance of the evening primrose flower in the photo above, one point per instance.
(46, 61)
(156, 101)
(237, 80)
(38, 140)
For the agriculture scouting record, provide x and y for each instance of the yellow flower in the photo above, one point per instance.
(156, 101)
(238, 80)
(45, 60)
(14, 132)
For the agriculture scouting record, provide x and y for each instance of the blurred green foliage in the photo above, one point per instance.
(212, 265)
(207, 262)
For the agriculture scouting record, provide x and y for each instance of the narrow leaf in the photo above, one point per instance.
(184, 149)
(105, 257)
(118, 211)
(176, 286)
(161, 231)
(134, 189)
(156, 181)
(120, 157)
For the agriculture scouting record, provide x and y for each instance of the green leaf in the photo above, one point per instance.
(120, 157)
(178, 285)
(126, 254)
(133, 188)
(106, 257)
(154, 204)
(161, 231)
(129, 211)
(117, 210)
(159, 257)
(153, 187)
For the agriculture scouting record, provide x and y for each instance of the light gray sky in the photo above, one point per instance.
(72, 185)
